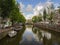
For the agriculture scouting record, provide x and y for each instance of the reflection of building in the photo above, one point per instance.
(5, 23)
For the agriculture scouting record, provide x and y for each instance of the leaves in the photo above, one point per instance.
(44, 15)
(37, 19)
(9, 9)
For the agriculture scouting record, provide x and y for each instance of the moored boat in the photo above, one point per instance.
(12, 33)
(18, 28)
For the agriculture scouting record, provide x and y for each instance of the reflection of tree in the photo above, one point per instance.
(44, 39)
(39, 35)
(19, 35)
(34, 30)
(13, 41)
(37, 31)
(56, 38)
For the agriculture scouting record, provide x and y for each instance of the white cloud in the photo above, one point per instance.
(48, 3)
(38, 9)
(21, 6)
(29, 16)
(56, 5)
(29, 8)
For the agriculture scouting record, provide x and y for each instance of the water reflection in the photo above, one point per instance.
(43, 36)
(28, 34)
(32, 36)
(48, 38)
(46, 34)
(29, 37)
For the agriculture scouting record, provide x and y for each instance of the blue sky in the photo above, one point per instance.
(34, 2)
(27, 6)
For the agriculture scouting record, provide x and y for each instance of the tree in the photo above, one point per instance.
(51, 17)
(34, 19)
(6, 7)
(44, 15)
(16, 15)
(10, 9)
(37, 19)
(59, 9)
(21, 18)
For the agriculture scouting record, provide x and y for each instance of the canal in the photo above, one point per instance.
(30, 35)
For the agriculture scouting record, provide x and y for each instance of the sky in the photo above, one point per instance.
(31, 8)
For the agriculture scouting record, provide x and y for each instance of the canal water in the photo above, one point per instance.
(30, 35)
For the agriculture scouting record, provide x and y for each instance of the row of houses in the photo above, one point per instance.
(49, 7)
(56, 17)
(5, 23)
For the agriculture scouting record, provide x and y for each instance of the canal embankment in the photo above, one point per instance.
(4, 31)
(48, 26)
(17, 26)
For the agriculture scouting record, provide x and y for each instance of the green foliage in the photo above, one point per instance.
(51, 17)
(16, 15)
(21, 19)
(37, 19)
(59, 9)
(10, 9)
(34, 19)
(6, 7)
(44, 15)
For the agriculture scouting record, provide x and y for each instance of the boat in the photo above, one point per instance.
(12, 33)
(18, 28)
